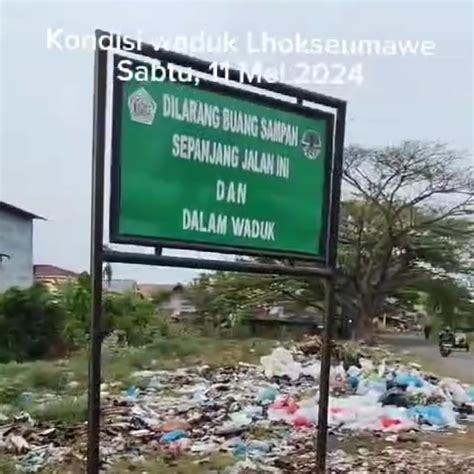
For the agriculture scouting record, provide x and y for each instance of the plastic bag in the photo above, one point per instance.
(353, 381)
(253, 411)
(257, 449)
(280, 363)
(433, 415)
(313, 370)
(178, 446)
(353, 371)
(470, 393)
(373, 386)
(300, 422)
(283, 408)
(394, 396)
(267, 394)
(240, 419)
(406, 379)
(453, 388)
(173, 436)
(395, 420)
(367, 366)
(388, 422)
(132, 393)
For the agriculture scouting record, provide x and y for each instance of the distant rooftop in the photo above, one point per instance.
(52, 271)
(4, 206)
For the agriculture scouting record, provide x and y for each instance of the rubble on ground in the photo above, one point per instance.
(426, 459)
(264, 416)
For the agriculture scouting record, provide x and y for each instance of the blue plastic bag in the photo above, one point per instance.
(430, 415)
(407, 379)
(353, 381)
(240, 450)
(257, 449)
(267, 394)
(132, 393)
(172, 436)
(470, 393)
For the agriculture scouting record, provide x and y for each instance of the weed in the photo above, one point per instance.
(7, 465)
(69, 410)
(10, 392)
(45, 376)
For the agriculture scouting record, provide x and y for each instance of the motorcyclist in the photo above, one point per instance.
(446, 336)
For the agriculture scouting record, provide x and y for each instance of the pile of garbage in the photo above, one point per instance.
(260, 415)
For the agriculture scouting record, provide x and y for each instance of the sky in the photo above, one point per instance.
(46, 93)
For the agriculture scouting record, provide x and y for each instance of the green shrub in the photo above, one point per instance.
(75, 298)
(10, 393)
(130, 315)
(43, 376)
(31, 323)
(35, 324)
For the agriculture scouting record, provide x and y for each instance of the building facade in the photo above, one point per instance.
(16, 247)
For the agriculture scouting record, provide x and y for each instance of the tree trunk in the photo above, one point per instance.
(364, 327)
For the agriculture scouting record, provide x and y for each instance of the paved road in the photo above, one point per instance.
(459, 365)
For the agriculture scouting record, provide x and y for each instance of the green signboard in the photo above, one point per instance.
(216, 168)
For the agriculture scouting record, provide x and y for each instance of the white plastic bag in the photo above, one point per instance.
(280, 363)
(367, 366)
(313, 370)
(453, 388)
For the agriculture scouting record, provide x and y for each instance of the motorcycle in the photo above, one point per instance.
(461, 342)
(445, 348)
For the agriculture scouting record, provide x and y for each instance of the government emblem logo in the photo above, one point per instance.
(311, 144)
(142, 107)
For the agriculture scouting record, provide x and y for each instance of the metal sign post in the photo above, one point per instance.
(97, 229)
(331, 257)
(198, 165)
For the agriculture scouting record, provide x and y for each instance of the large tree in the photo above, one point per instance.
(405, 222)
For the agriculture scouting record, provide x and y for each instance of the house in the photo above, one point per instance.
(53, 276)
(171, 299)
(16, 246)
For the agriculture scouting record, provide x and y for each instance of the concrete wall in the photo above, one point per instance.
(16, 240)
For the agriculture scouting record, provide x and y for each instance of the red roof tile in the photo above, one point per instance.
(52, 271)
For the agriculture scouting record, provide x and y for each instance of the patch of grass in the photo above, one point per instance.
(69, 410)
(78, 366)
(7, 465)
(170, 353)
(118, 365)
(10, 392)
(48, 377)
(17, 378)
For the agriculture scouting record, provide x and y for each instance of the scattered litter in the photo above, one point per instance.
(263, 416)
